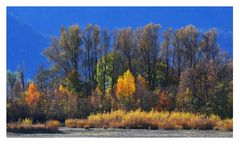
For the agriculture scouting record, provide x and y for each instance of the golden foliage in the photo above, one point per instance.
(71, 123)
(52, 123)
(81, 123)
(125, 85)
(32, 94)
(164, 101)
(76, 123)
(37, 128)
(26, 122)
(156, 120)
(96, 97)
(106, 119)
(226, 124)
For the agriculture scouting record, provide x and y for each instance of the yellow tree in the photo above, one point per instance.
(125, 88)
(32, 94)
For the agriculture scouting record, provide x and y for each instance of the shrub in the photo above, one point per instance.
(109, 119)
(151, 120)
(39, 128)
(200, 122)
(81, 123)
(71, 123)
(214, 119)
(157, 118)
(76, 123)
(26, 122)
(168, 125)
(96, 120)
(225, 125)
(53, 123)
(180, 120)
(136, 120)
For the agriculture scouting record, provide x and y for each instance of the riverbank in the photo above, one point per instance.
(100, 132)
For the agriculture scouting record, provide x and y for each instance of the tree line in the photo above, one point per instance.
(95, 70)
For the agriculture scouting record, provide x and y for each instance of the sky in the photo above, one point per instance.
(29, 28)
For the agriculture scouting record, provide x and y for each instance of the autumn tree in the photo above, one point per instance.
(209, 64)
(88, 42)
(184, 100)
(141, 93)
(91, 39)
(219, 100)
(166, 54)
(96, 99)
(64, 51)
(92, 48)
(47, 81)
(143, 96)
(178, 60)
(209, 44)
(70, 41)
(184, 96)
(95, 55)
(164, 102)
(125, 88)
(221, 95)
(32, 94)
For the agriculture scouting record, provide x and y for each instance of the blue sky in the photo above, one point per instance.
(29, 28)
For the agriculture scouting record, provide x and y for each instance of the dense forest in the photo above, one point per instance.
(96, 70)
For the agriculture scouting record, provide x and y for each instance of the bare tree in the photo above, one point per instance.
(125, 45)
(148, 44)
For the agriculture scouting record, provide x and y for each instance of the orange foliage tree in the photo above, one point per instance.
(141, 92)
(32, 94)
(125, 88)
(164, 101)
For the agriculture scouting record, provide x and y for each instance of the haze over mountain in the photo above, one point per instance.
(29, 28)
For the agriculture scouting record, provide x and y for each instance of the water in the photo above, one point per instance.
(79, 132)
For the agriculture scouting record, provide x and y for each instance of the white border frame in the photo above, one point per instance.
(236, 64)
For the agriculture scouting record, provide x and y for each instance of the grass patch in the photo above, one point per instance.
(107, 120)
(225, 125)
(152, 120)
(52, 124)
(71, 123)
(76, 123)
(26, 122)
(26, 126)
